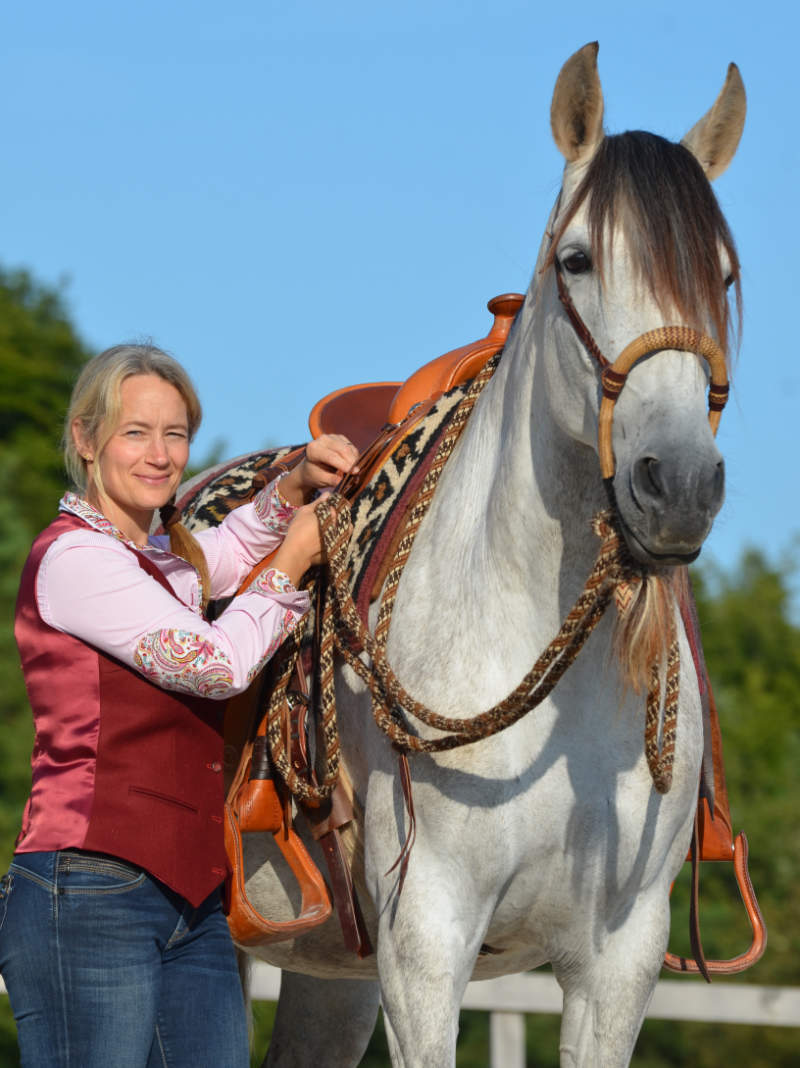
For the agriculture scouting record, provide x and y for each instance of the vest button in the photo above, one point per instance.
(216, 766)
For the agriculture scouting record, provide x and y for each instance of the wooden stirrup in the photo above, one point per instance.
(254, 805)
(744, 960)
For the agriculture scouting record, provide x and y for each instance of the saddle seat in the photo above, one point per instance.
(362, 411)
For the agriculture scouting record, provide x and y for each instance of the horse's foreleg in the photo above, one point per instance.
(322, 1023)
(605, 1002)
(424, 967)
(420, 1015)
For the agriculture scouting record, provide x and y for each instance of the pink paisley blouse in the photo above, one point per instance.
(90, 586)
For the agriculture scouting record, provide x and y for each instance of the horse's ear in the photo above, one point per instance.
(715, 138)
(576, 113)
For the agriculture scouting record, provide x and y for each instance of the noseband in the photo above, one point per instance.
(614, 375)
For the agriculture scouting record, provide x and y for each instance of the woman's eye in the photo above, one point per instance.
(576, 262)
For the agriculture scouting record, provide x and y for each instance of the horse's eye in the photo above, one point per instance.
(576, 262)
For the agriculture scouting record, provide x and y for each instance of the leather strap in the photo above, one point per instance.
(578, 325)
(613, 376)
(408, 845)
(354, 930)
(694, 904)
(325, 820)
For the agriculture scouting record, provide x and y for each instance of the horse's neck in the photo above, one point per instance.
(505, 548)
(517, 496)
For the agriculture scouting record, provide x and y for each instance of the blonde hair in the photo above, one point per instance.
(96, 403)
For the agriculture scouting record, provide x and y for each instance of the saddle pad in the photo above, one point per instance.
(380, 506)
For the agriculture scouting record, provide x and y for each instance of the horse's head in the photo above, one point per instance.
(640, 243)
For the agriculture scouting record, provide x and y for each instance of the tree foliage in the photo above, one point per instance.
(41, 354)
(752, 646)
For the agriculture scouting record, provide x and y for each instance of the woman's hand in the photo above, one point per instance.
(328, 458)
(302, 546)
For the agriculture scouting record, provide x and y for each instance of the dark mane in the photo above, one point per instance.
(659, 193)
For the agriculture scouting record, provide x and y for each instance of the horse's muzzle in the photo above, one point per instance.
(667, 506)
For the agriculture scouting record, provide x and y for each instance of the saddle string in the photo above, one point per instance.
(614, 575)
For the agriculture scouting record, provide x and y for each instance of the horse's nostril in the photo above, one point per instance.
(719, 480)
(654, 476)
(648, 477)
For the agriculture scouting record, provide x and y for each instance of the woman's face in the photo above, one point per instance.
(143, 461)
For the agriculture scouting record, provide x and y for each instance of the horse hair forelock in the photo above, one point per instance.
(658, 193)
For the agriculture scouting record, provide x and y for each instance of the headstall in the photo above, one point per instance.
(614, 375)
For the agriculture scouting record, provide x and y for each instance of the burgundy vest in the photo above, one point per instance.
(120, 766)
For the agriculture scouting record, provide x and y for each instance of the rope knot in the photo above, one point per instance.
(627, 579)
(621, 570)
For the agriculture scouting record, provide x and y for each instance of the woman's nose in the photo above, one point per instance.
(157, 452)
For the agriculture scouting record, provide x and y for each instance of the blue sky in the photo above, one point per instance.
(293, 197)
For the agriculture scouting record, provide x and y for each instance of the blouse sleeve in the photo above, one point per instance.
(245, 537)
(92, 587)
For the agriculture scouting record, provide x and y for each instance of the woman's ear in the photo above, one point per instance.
(81, 440)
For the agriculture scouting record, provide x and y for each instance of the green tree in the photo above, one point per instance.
(40, 354)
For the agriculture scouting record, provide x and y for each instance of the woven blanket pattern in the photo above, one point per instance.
(380, 506)
(235, 484)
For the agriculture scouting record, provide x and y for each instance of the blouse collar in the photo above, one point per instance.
(76, 505)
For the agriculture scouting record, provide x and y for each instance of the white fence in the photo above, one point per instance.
(509, 998)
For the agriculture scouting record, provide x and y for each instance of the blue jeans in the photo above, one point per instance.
(108, 968)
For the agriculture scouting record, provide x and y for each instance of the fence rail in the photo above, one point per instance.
(674, 999)
(510, 997)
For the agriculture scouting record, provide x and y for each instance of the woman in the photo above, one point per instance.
(114, 947)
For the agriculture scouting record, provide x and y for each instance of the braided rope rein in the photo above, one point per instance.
(613, 576)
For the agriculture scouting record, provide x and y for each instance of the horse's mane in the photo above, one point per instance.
(658, 193)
